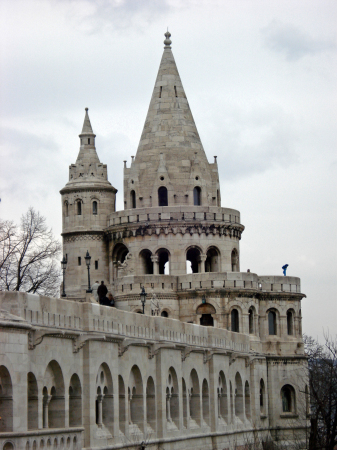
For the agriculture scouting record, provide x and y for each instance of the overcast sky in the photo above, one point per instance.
(260, 77)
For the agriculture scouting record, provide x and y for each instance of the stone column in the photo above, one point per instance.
(155, 261)
(201, 263)
(168, 407)
(129, 409)
(99, 410)
(46, 401)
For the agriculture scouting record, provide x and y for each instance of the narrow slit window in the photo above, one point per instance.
(79, 261)
(175, 91)
(96, 265)
(160, 90)
(88, 140)
(94, 207)
(79, 208)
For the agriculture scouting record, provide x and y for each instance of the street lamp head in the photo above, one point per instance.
(64, 263)
(203, 300)
(143, 295)
(87, 258)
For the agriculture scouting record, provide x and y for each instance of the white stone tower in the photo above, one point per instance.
(87, 200)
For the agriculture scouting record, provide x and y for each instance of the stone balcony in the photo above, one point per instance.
(60, 439)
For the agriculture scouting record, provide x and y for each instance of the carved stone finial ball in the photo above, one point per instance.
(167, 41)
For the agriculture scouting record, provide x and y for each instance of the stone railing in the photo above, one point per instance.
(60, 439)
(174, 214)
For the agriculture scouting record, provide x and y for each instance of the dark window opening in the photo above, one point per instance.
(235, 320)
(235, 261)
(163, 261)
(290, 322)
(133, 199)
(207, 320)
(197, 196)
(96, 265)
(88, 140)
(79, 260)
(94, 207)
(287, 395)
(162, 196)
(193, 256)
(272, 323)
(67, 209)
(212, 260)
(79, 208)
(251, 320)
(146, 261)
(164, 314)
(262, 397)
(175, 91)
(160, 90)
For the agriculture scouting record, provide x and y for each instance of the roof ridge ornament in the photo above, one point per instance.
(167, 41)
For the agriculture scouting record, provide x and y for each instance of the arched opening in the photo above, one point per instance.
(136, 411)
(79, 207)
(133, 199)
(193, 255)
(205, 402)
(218, 200)
(290, 322)
(6, 400)
(172, 400)
(33, 402)
(66, 209)
(104, 398)
(212, 260)
(75, 401)
(150, 405)
(251, 318)
(53, 397)
(8, 446)
(94, 207)
(163, 261)
(119, 255)
(162, 196)
(247, 401)
(197, 196)
(206, 310)
(235, 260)
(121, 407)
(146, 262)
(185, 417)
(272, 323)
(262, 398)
(238, 397)
(195, 412)
(222, 399)
(288, 399)
(164, 314)
(235, 320)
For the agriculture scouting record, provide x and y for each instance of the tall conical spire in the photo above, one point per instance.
(170, 129)
(86, 129)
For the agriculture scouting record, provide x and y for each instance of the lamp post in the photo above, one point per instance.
(203, 300)
(87, 261)
(143, 295)
(63, 265)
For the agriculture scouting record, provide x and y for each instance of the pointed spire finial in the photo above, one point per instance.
(87, 109)
(86, 124)
(167, 41)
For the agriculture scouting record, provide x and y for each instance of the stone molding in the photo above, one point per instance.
(83, 236)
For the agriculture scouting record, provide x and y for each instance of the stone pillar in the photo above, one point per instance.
(168, 407)
(129, 409)
(201, 263)
(46, 401)
(155, 261)
(99, 410)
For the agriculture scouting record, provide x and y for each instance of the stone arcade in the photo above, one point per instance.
(218, 357)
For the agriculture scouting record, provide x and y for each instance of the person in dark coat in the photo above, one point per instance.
(102, 291)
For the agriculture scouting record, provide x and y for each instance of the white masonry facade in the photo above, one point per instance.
(217, 360)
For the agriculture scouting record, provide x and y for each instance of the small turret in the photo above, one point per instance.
(87, 200)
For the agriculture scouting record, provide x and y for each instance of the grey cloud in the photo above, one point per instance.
(292, 42)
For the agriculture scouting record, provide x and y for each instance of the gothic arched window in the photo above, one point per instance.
(79, 208)
(235, 320)
(272, 323)
(290, 322)
(133, 199)
(288, 398)
(197, 196)
(94, 207)
(162, 196)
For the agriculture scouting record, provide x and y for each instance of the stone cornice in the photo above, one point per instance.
(119, 232)
(83, 235)
(74, 189)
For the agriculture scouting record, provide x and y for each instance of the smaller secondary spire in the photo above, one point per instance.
(86, 124)
(167, 41)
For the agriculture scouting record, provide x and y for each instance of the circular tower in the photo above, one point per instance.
(87, 200)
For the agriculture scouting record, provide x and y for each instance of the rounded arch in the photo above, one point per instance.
(146, 261)
(104, 397)
(164, 313)
(151, 404)
(238, 396)
(205, 402)
(8, 446)
(163, 256)
(33, 400)
(235, 319)
(119, 254)
(222, 398)
(195, 397)
(288, 399)
(193, 255)
(53, 396)
(212, 263)
(135, 393)
(162, 196)
(235, 260)
(206, 310)
(197, 196)
(94, 207)
(78, 206)
(75, 401)
(272, 315)
(6, 403)
(172, 398)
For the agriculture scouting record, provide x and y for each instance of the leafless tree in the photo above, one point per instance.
(323, 392)
(29, 256)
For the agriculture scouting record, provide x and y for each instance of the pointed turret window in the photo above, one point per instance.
(79, 208)
(94, 207)
(162, 196)
(133, 199)
(197, 196)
